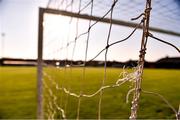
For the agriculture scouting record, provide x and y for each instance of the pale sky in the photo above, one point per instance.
(19, 23)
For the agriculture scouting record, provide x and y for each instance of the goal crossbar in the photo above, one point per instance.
(105, 20)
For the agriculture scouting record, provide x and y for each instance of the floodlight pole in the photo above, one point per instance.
(2, 44)
(40, 66)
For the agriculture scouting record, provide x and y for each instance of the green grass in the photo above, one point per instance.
(18, 92)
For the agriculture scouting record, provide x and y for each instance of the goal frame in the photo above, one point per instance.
(42, 11)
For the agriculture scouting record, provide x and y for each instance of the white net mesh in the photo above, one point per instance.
(73, 89)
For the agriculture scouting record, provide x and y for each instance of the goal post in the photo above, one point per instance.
(39, 66)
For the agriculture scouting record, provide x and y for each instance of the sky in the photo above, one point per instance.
(19, 31)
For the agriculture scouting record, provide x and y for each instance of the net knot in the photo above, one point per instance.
(89, 28)
(143, 19)
(67, 44)
(146, 13)
(147, 34)
(139, 89)
(114, 3)
(80, 94)
(76, 38)
(142, 52)
(107, 46)
(147, 10)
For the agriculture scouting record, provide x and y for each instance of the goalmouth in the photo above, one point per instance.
(135, 75)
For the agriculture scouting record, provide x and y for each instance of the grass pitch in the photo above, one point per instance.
(18, 93)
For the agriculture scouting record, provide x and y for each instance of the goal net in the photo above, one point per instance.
(79, 42)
